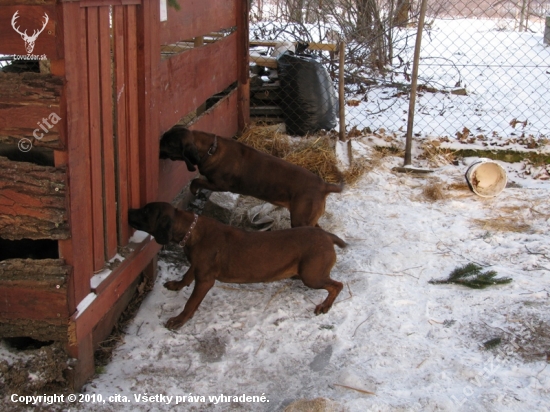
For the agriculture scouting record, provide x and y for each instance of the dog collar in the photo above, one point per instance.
(186, 237)
(214, 146)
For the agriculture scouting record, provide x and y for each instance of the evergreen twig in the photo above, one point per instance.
(470, 275)
(174, 4)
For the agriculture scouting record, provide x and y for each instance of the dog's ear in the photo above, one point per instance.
(163, 231)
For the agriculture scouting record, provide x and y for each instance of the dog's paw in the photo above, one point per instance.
(173, 285)
(174, 323)
(321, 308)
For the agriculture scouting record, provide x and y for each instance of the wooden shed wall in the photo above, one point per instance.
(115, 96)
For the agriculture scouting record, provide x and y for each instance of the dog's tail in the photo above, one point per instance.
(337, 241)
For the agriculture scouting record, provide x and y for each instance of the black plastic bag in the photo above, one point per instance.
(309, 99)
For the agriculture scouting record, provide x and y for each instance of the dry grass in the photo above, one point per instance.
(267, 139)
(503, 224)
(315, 154)
(436, 155)
(433, 191)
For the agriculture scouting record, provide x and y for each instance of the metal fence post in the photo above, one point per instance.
(547, 31)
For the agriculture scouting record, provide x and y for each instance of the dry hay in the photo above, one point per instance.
(315, 153)
(433, 191)
(317, 157)
(267, 139)
(392, 150)
(503, 224)
(437, 155)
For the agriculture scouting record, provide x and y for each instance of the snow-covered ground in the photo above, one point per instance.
(392, 341)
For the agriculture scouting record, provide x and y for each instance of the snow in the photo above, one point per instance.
(99, 277)
(415, 345)
(84, 303)
(392, 341)
(138, 236)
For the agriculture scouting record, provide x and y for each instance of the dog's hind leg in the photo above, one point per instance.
(199, 292)
(333, 288)
(184, 282)
(322, 282)
(306, 212)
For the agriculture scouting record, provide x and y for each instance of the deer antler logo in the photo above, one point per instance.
(29, 40)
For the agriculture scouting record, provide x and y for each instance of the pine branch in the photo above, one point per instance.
(470, 275)
(174, 4)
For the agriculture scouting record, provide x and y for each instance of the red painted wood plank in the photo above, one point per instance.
(148, 80)
(132, 105)
(188, 79)
(197, 18)
(120, 127)
(81, 324)
(31, 303)
(220, 119)
(95, 137)
(109, 194)
(29, 19)
(78, 152)
(243, 66)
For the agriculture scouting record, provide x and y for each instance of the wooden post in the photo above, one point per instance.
(243, 99)
(148, 39)
(341, 97)
(414, 83)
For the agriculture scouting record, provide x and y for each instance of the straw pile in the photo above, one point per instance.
(437, 155)
(315, 153)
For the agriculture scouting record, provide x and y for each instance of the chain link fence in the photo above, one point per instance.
(484, 69)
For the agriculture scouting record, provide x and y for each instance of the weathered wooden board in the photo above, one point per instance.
(148, 17)
(32, 201)
(220, 119)
(188, 79)
(197, 18)
(33, 298)
(76, 94)
(30, 108)
(82, 324)
(29, 19)
(243, 66)
(96, 155)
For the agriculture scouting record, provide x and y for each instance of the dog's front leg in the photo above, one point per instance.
(197, 184)
(199, 292)
(184, 282)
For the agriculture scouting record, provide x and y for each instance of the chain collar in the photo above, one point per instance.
(182, 243)
(212, 149)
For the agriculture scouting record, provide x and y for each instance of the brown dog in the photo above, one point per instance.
(230, 166)
(221, 252)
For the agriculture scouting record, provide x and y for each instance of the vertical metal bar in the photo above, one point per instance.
(341, 97)
(414, 83)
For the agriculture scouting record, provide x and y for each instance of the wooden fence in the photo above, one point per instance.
(115, 96)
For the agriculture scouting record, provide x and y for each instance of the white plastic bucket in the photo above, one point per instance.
(486, 177)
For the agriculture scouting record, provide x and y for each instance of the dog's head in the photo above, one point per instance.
(178, 144)
(154, 218)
